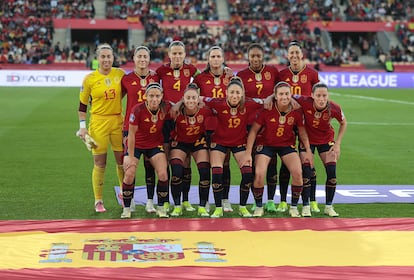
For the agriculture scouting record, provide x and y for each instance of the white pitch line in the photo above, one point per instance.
(378, 123)
(374, 98)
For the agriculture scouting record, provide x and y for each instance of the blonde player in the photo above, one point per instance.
(101, 89)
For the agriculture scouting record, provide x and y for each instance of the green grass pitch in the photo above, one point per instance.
(45, 169)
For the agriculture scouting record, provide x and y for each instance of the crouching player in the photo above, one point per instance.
(278, 138)
(145, 137)
(319, 111)
(188, 139)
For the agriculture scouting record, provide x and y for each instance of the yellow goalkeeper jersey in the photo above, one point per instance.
(103, 92)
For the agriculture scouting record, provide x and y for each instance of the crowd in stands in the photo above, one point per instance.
(304, 10)
(381, 10)
(162, 10)
(26, 28)
(285, 21)
(405, 33)
(25, 40)
(76, 9)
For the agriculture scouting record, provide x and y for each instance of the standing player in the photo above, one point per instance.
(188, 139)
(145, 138)
(259, 80)
(102, 90)
(278, 138)
(301, 79)
(319, 112)
(213, 83)
(231, 135)
(175, 76)
(135, 84)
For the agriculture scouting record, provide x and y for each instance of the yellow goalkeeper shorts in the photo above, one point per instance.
(106, 130)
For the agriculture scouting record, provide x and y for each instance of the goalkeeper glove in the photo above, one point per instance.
(90, 143)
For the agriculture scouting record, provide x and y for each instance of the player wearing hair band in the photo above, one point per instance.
(188, 138)
(319, 111)
(102, 90)
(231, 135)
(301, 79)
(213, 82)
(278, 138)
(259, 80)
(175, 76)
(145, 138)
(135, 84)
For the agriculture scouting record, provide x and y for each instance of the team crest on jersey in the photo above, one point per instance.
(108, 82)
(325, 116)
(200, 118)
(303, 79)
(267, 75)
(187, 72)
(291, 120)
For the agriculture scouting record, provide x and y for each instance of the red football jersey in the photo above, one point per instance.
(149, 134)
(135, 87)
(279, 130)
(211, 86)
(174, 82)
(302, 83)
(259, 85)
(232, 122)
(318, 123)
(189, 129)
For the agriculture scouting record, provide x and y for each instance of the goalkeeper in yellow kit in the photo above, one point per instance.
(101, 89)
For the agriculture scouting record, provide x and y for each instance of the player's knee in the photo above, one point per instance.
(177, 167)
(296, 173)
(204, 170)
(129, 176)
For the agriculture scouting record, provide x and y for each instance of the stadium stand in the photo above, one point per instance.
(163, 10)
